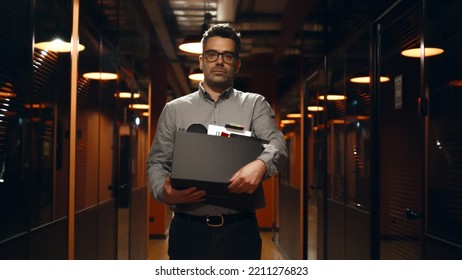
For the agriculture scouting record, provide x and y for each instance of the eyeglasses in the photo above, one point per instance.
(212, 56)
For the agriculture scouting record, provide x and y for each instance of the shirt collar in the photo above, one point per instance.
(224, 95)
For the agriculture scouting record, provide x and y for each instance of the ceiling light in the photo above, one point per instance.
(57, 45)
(337, 121)
(192, 44)
(367, 80)
(298, 115)
(100, 76)
(314, 108)
(333, 97)
(35, 106)
(196, 75)
(126, 94)
(287, 122)
(139, 106)
(294, 115)
(415, 52)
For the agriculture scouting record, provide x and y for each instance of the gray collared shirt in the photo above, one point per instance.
(249, 110)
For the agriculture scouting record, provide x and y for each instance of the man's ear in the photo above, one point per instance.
(201, 59)
(238, 66)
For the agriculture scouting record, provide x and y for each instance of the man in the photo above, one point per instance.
(200, 230)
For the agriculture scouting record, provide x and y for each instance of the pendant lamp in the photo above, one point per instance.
(192, 44)
(196, 75)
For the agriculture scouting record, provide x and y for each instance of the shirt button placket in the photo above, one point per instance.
(215, 112)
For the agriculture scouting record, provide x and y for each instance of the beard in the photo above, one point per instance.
(222, 81)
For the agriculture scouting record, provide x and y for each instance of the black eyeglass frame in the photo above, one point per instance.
(224, 55)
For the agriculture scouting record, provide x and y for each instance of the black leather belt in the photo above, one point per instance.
(216, 220)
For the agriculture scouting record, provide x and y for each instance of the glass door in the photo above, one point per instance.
(443, 234)
(401, 134)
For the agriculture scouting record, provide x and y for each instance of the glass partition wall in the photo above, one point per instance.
(15, 122)
(419, 131)
(340, 111)
(35, 131)
(443, 234)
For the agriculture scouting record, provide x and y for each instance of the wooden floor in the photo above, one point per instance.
(270, 251)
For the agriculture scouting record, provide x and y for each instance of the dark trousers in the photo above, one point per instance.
(193, 240)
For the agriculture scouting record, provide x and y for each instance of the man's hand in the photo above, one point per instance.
(248, 178)
(174, 196)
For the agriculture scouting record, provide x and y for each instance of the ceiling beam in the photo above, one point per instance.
(295, 13)
(153, 11)
(226, 10)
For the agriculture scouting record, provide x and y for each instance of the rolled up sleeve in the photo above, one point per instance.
(274, 154)
(159, 161)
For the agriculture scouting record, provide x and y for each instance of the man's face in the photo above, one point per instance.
(219, 73)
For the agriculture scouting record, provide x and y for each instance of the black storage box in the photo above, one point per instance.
(208, 162)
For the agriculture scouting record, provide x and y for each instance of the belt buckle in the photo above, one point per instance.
(212, 222)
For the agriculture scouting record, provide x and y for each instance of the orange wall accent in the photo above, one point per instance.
(265, 215)
(158, 97)
(295, 159)
(157, 211)
(263, 80)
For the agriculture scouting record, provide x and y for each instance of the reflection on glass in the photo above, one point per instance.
(417, 52)
(56, 45)
(100, 75)
(332, 97)
(336, 160)
(357, 166)
(367, 79)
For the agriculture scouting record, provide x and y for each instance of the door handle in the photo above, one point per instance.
(412, 215)
(316, 187)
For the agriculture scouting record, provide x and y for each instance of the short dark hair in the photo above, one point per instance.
(223, 30)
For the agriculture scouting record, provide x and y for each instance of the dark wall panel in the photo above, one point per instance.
(439, 250)
(49, 242)
(15, 90)
(107, 231)
(335, 230)
(357, 238)
(86, 238)
(138, 225)
(14, 248)
(289, 221)
(321, 254)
